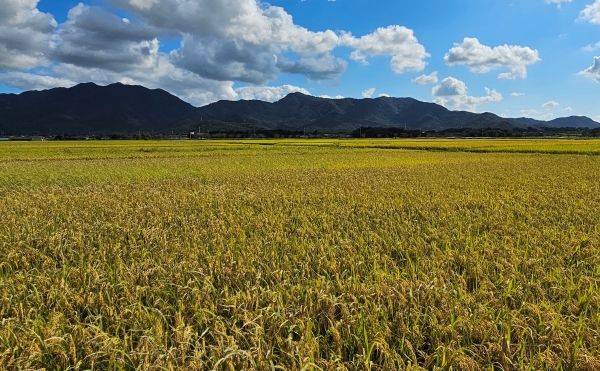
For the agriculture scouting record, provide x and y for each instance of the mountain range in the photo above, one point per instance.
(117, 108)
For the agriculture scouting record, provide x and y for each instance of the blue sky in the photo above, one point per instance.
(533, 58)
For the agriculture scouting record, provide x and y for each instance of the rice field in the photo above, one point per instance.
(300, 255)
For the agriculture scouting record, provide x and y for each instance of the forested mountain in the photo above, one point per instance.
(117, 108)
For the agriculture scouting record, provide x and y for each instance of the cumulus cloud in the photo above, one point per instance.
(453, 93)
(517, 94)
(383, 95)
(238, 39)
(245, 40)
(568, 109)
(550, 104)
(93, 37)
(593, 72)
(426, 79)
(591, 13)
(323, 68)
(396, 41)
(25, 35)
(557, 2)
(226, 60)
(246, 21)
(482, 59)
(450, 87)
(368, 93)
(268, 93)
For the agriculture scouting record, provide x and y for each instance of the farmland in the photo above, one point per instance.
(300, 255)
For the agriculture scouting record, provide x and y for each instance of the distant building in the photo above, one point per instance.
(2, 139)
(38, 138)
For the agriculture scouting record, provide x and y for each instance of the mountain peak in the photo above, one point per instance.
(298, 93)
(295, 96)
(86, 84)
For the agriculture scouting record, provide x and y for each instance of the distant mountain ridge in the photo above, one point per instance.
(561, 122)
(298, 111)
(89, 108)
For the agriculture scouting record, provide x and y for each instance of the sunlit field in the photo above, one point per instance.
(300, 255)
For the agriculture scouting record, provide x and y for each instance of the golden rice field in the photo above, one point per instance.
(300, 255)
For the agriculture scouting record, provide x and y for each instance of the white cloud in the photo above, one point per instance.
(592, 47)
(240, 40)
(517, 94)
(25, 35)
(396, 41)
(593, 72)
(329, 97)
(449, 87)
(482, 59)
(268, 93)
(248, 22)
(557, 2)
(28, 81)
(426, 79)
(368, 93)
(569, 109)
(383, 95)
(453, 93)
(550, 104)
(535, 114)
(245, 40)
(591, 13)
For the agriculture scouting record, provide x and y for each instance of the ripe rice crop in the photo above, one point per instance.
(300, 255)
